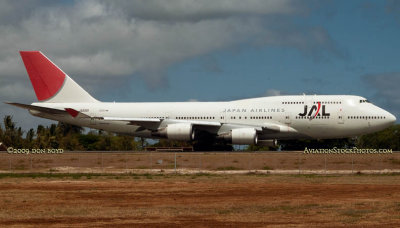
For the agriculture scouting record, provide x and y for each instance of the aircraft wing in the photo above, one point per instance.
(149, 123)
(154, 123)
(131, 120)
(197, 123)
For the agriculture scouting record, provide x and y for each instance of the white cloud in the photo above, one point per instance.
(273, 92)
(97, 39)
(15, 91)
(205, 9)
(142, 38)
(12, 66)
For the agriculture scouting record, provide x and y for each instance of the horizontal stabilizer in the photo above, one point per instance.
(38, 108)
(74, 113)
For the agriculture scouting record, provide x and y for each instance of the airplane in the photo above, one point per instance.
(259, 121)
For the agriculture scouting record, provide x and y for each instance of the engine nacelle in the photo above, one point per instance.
(244, 136)
(178, 131)
(269, 142)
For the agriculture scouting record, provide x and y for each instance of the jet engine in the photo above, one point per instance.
(178, 131)
(244, 136)
(241, 136)
(268, 142)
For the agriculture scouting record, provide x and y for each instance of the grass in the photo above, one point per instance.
(205, 175)
(287, 178)
(82, 175)
(311, 176)
(339, 162)
(50, 175)
(397, 206)
(172, 166)
(20, 167)
(394, 161)
(225, 168)
(47, 161)
(280, 208)
(356, 213)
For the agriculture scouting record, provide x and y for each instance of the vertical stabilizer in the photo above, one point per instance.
(50, 83)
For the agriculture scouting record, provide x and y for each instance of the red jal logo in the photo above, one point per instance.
(313, 109)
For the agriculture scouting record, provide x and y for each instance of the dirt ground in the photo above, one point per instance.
(199, 200)
(70, 161)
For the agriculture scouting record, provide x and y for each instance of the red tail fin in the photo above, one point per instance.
(47, 79)
(51, 84)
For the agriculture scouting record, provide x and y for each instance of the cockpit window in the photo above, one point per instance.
(365, 101)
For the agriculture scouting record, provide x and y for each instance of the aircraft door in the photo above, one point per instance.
(222, 116)
(288, 118)
(340, 117)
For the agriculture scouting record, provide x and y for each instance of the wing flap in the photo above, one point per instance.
(149, 123)
(155, 120)
(154, 123)
(147, 120)
(199, 123)
(271, 128)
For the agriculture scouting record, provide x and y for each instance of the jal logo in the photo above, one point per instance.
(314, 111)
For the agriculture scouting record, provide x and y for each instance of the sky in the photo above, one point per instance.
(208, 50)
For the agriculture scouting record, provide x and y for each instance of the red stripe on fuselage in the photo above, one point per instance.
(72, 112)
(47, 79)
(319, 107)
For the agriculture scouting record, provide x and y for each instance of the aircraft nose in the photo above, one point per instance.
(392, 118)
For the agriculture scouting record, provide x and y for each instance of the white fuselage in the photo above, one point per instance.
(304, 116)
(250, 121)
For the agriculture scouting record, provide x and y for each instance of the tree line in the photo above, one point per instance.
(70, 137)
(65, 136)
(385, 139)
